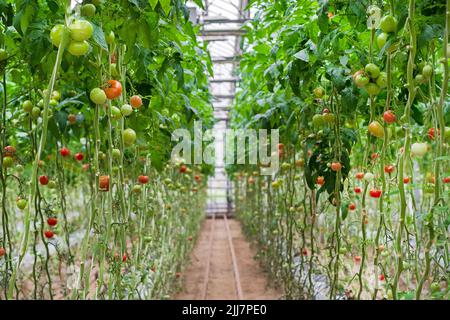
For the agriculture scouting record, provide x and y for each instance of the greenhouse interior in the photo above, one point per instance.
(224, 150)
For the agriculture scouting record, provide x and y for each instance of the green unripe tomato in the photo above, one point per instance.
(88, 10)
(101, 155)
(19, 168)
(361, 80)
(40, 103)
(126, 110)
(3, 55)
(447, 134)
(276, 184)
(137, 189)
(372, 70)
(381, 40)
(8, 162)
(372, 89)
(115, 113)
(343, 250)
(318, 121)
(56, 34)
(110, 38)
(81, 30)
(388, 24)
(27, 106)
(319, 92)
(329, 118)
(419, 79)
(435, 287)
(51, 184)
(56, 95)
(98, 96)
(53, 102)
(35, 112)
(382, 80)
(21, 204)
(78, 48)
(427, 71)
(114, 71)
(116, 154)
(129, 137)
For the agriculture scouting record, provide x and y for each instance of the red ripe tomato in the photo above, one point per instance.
(43, 180)
(183, 168)
(9, 151)
(357, 259)
(360, 175)
(389, 117)
(389, 169)
(381, 277)
(52, 221)
(336, 166)
(446, 180)
(197, 178)
(143, 179)
(64, 152)
(374, 193)
(406, 180)
(352, 206)
(85, 166)
(136, 102)
(305, 252)
(103, 183)
(357, 190)
(124, 257)
(2, 251)
(79, 156)
(375, 156)
(113, 90)
(320, 181)
(431, 133)
(49, 234)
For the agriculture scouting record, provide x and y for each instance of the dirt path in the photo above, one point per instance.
(221, 282)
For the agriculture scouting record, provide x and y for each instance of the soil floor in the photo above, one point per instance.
(221, 284)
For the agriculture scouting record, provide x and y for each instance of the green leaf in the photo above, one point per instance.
(99, 37)
(26, 18)
(344, 209)
(153, 3)
(349, 100)
(302, 55)
(165, 5)
(199, 3)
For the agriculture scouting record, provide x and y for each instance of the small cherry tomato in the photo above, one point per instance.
(43, 180)
(136, 102)
(49, 234)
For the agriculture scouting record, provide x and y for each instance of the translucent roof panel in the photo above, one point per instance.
(221, 29)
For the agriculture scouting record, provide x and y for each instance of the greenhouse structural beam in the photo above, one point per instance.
(225, 80)
(223, 32)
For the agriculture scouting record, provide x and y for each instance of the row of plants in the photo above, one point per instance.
(358, 90)
(92, 208)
